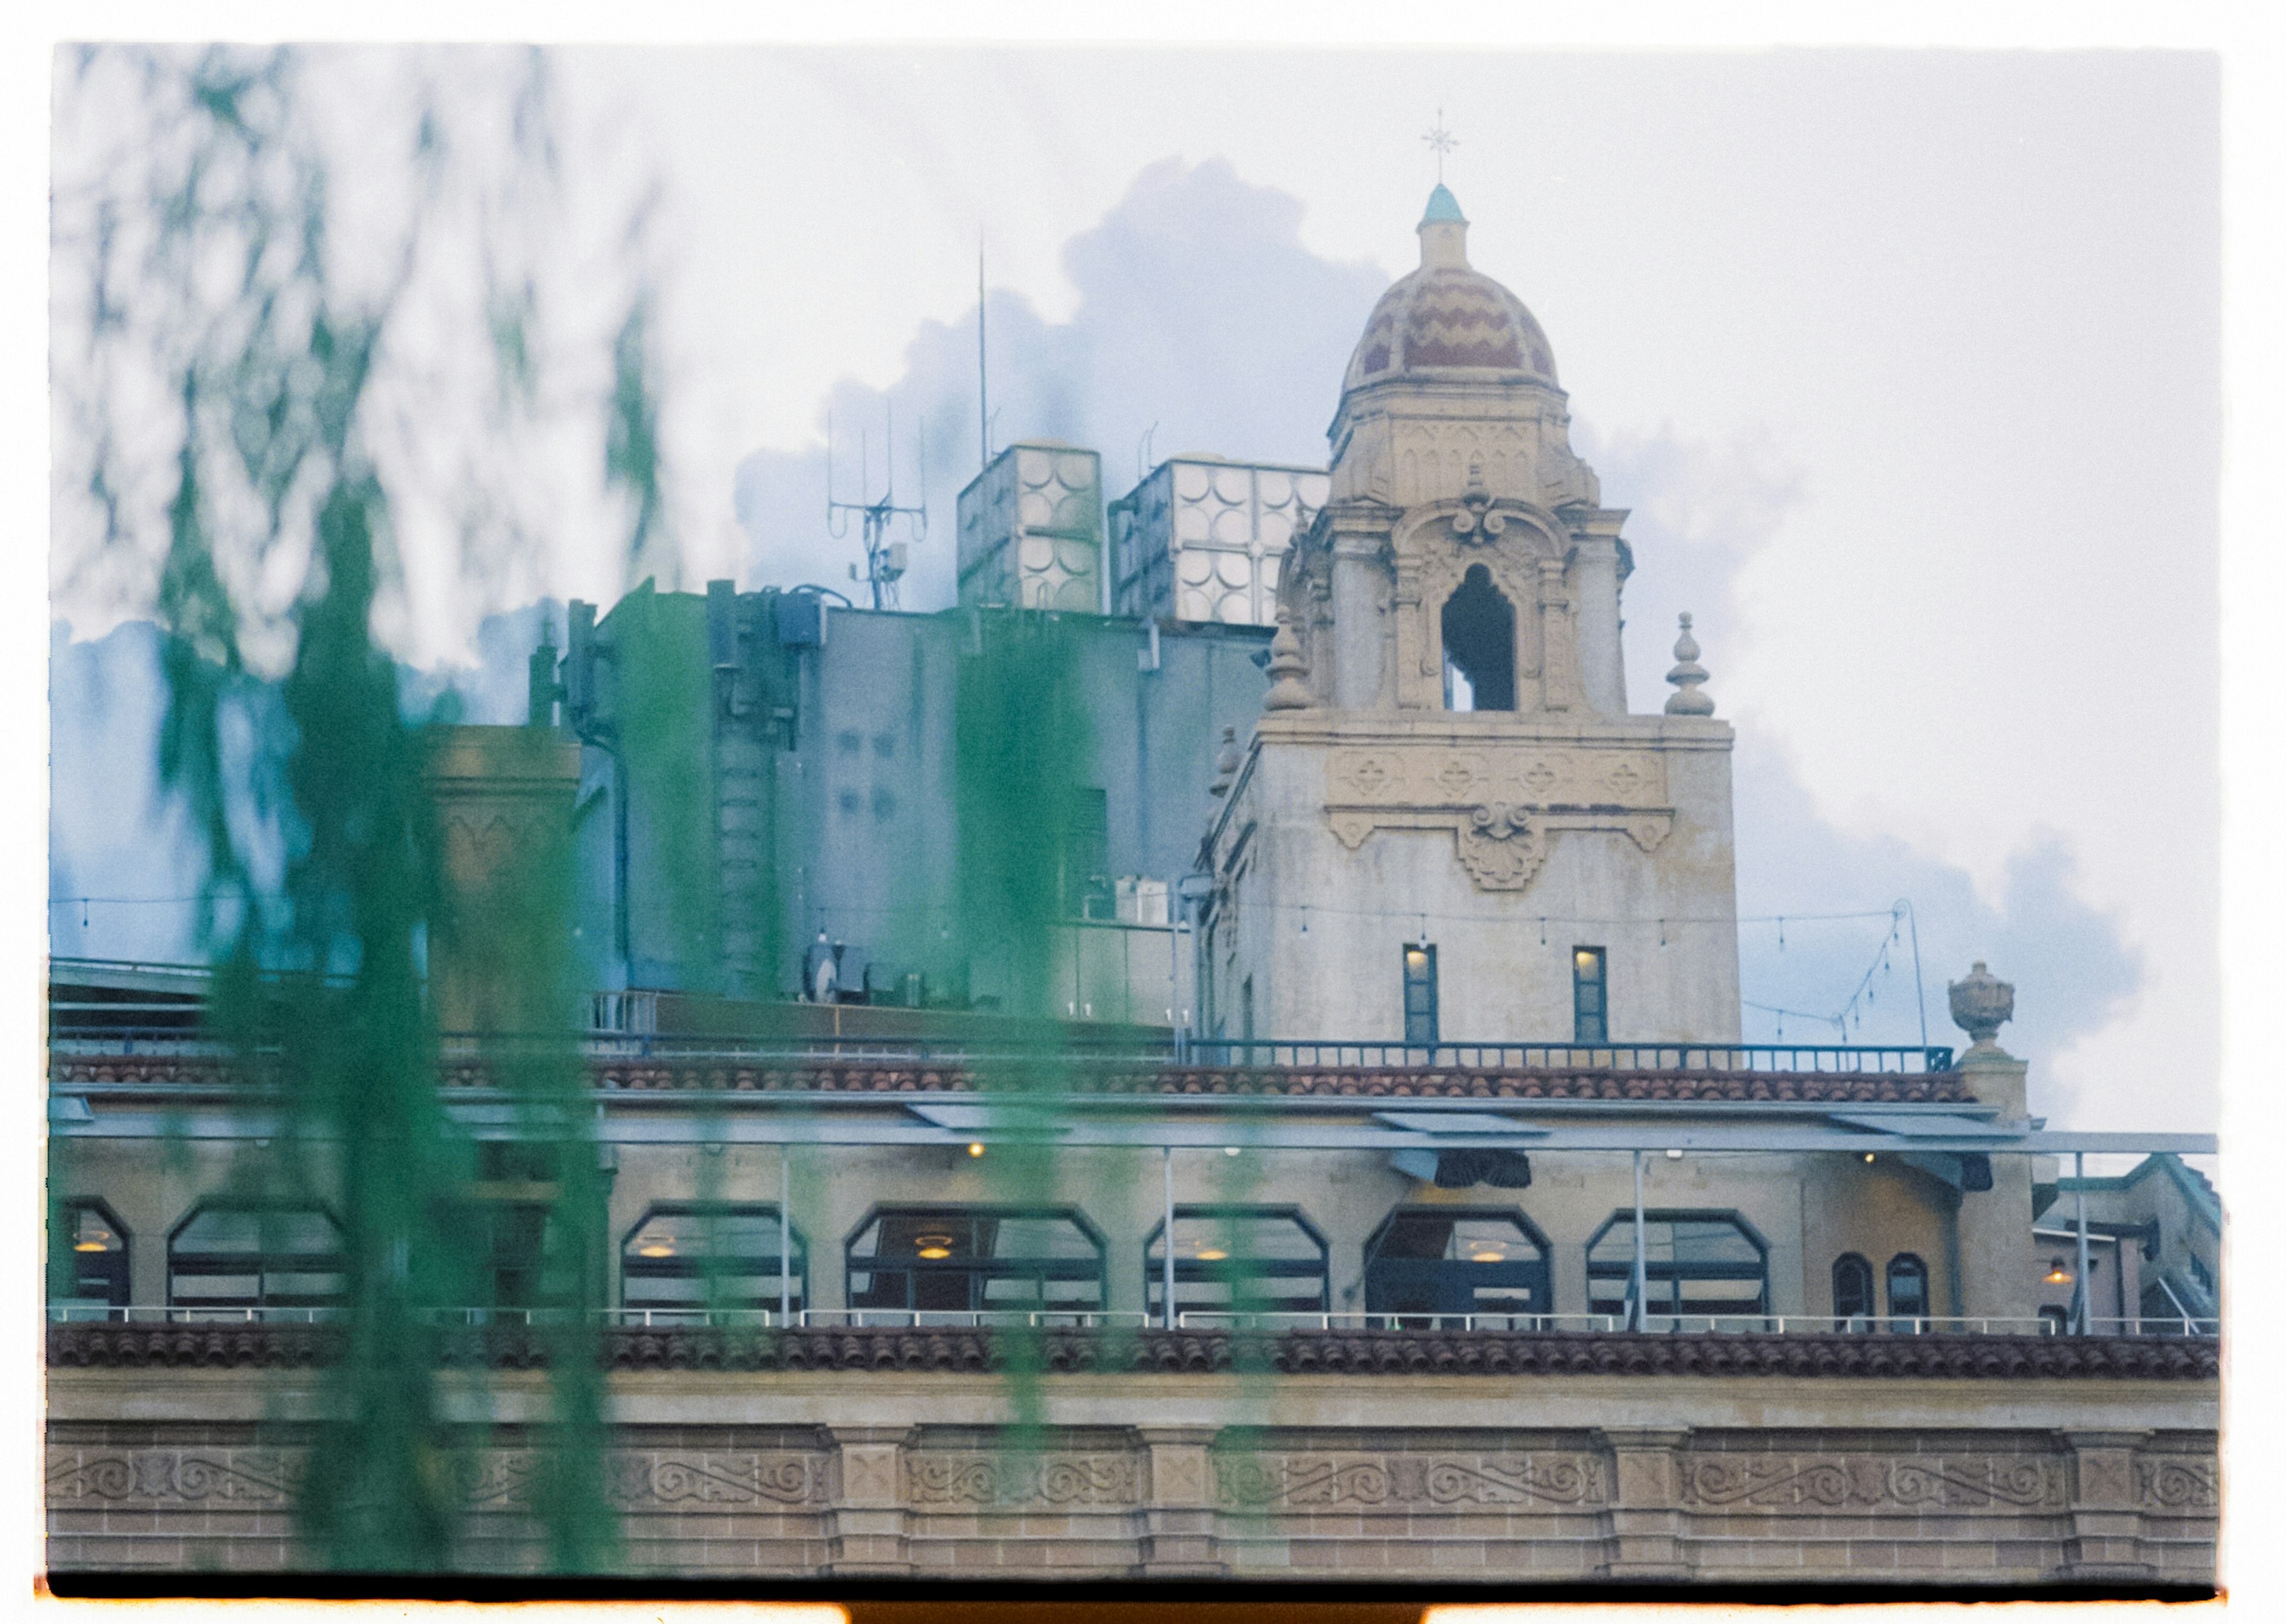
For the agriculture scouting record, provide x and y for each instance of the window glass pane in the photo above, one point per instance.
(1238, 1259)
(90, 1233)
(726, 1258)
(1454, 1263)
(960, 1259)
(1693, 1263)
(1908, 1287)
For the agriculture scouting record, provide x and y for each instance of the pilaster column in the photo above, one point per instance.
(1996, 1225)
(1646, 1517)
(1596, 566)
(1178, 1520)
(1358, 631)
(2106, 1539)
(1559, 641)
(865, 1531)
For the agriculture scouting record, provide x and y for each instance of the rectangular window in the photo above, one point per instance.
(1590, 1006)
(1420, 993)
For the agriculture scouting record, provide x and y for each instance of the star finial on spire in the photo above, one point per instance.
(1442, 141)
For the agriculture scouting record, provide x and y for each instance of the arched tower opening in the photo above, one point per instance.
(1479, 630)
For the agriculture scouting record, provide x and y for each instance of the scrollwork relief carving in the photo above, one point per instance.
(639, 1481)
(252, 1479)
(1784, 1482)
(1054, 1481)
(1261, 1482)
(2175, 1486)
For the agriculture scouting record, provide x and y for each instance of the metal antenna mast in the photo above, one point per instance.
(884, 559)
(983, 398)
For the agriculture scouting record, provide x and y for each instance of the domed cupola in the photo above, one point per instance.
(1452, 386)
(1445, 316)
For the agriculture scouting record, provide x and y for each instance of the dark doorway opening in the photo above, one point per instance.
(1480, 628)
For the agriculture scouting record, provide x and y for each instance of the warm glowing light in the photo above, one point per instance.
(2057, 1274)
(1230, 1150)
(1212, 1254)
(1869, 1155)
(976, 1149)
(89, 1246)
(933, 1246)
(1491, 1254)
(1675, 1155)
(657, 1248)
(936, 1251)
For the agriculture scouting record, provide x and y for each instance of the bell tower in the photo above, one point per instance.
(1447, 824)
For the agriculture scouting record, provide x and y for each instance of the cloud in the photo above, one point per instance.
(1202, 324)
(1702, 514)
(2073, 970)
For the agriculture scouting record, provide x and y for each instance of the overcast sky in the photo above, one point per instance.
(1907, 363)
(1910, 361)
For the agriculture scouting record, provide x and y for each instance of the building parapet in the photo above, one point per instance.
(1070, 1350)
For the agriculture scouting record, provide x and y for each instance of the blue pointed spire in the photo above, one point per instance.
(1443, 206)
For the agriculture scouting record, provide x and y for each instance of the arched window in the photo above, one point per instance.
(1479, 632)
(88, 1271)
(1237, 1260)
(1907, 1287)
(234, 1256)
(965, 1260)
(690, 1255)
(1695, 1264)
(1853, 1287)
(1453, 1261)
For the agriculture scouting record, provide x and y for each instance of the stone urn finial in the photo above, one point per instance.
(1288, 691)
(1689, 676)
(1981, 1002)
(1225, 764)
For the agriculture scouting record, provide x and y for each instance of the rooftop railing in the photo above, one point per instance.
(1117, 1050)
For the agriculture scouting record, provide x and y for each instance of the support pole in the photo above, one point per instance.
(1167, 1249)
(1639, 1274)
(785, 1242)
(2086, 1297)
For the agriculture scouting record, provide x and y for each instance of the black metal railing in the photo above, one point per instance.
(1109, 1049)
(1318, 1053)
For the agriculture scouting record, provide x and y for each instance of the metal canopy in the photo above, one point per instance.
(1914, 1125)
(897, 1126)
(1445, 1123)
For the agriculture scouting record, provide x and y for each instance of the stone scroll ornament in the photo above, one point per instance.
(1503, 803)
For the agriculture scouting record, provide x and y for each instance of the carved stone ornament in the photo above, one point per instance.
(1287, 690)
(1502, 804)
(1269, 1482)
(1772, 1483)
(1689, 677)
(933, 1479)
(1476, 522)
(1981, 1002)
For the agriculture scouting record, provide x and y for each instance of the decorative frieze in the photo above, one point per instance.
(2165, 1483)
(1012, 1480)
(234, 1480)
(1503, 802)
(1260, 1482)
(1907, 1482)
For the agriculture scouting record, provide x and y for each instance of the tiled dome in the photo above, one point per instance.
(1447, 317)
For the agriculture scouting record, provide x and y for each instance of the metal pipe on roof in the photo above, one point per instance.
(2086, 1305)
(1168, 1250)
(1636, 1285)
